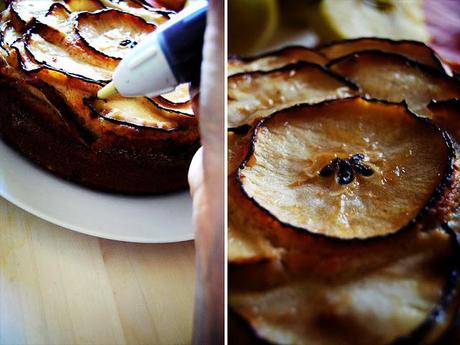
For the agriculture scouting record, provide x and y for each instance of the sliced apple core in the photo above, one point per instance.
(254, 95)
(413, 50)
(274, 60)
(348, 169)
(112, 33)
(394, 78)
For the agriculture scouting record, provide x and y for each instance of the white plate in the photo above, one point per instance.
(153, 219)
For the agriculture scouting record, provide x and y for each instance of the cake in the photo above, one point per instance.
(54, 57)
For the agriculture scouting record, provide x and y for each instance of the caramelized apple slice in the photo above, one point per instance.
(58, 51)
(410, 300)
(274, 60)
(177, 100)
(413, 50)
(24, 61)
(254, 95)
(110, 32)
(58, 18)
(24, 11)
(394, 78)
(149, 14)
(180, 95)
(349, 169)
(139, 112)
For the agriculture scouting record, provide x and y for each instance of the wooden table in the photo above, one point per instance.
(61, 287)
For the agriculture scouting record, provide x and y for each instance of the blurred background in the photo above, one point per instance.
(256, 26)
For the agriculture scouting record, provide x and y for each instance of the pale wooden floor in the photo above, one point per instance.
(61, 287)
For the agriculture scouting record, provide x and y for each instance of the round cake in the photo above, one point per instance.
(54, 57)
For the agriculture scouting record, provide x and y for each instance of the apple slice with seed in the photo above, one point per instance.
(349, 169)
(110, 32)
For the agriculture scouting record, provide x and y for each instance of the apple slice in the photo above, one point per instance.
(24, 11)
(394, 78)
(349, 169)
(110, 32)
(138, 112)
(411, 299)
(54, 50)
(274, 59)
(8, 35)
(413, 50)
(149, 14)
(254, 95)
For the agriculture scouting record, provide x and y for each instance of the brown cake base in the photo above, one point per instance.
(112, 163)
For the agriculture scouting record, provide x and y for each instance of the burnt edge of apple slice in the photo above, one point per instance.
(435, 57)
(275, 53)
(450, 294)
(434, 200)
(297, 66)
(35, 28)
(163, 12)
(171, 110)
(88, 102)
(104, 11)
(58, 5)
(417, 65)
(167, 101)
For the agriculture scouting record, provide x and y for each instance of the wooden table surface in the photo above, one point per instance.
(61, 287)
